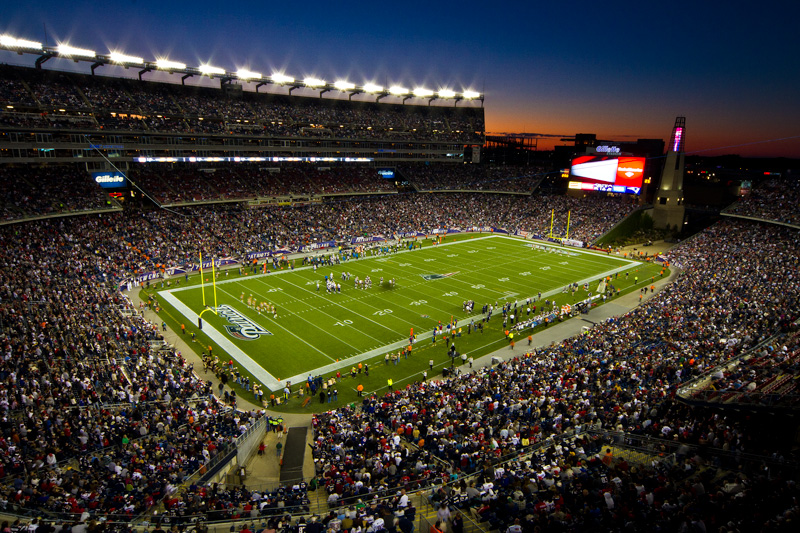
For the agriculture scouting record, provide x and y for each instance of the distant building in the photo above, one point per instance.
(668, 207)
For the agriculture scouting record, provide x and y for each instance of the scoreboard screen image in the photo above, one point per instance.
(609, 174)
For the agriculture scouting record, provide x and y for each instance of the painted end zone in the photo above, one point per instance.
(224, 342)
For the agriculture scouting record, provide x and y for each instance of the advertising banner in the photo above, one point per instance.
(374, 238)
(317, 246)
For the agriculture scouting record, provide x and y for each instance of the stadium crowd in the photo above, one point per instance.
(233, 230)
(766, 378)
(47, 191)
(145, 240)
(131, 105)
(620, 376)
(93, 419)
(475, 178)
(775, 199)
(216, 502)
(83, 392)
(65, 188)
(169, 185)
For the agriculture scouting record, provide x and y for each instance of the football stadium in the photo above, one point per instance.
(239, 309)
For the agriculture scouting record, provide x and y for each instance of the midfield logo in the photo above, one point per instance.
(243, 328)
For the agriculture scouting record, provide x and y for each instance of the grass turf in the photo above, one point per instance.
(316, 332)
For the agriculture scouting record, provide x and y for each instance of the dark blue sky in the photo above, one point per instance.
(618, 69)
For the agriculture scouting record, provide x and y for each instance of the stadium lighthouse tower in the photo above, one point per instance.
(669, 210)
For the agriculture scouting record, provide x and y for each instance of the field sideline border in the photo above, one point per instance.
(274, 383)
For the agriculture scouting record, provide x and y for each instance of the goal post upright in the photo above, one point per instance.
(569, 213)
(203, 289)
(202, 283)
(214, 283)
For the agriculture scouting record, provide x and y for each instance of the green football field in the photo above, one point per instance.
(316, 332)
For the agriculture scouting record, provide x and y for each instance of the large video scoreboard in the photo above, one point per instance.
(607, 174)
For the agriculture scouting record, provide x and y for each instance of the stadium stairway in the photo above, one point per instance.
(293, 455)
(635, 456)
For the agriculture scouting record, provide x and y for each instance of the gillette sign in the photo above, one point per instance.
(607, 149)
(109, 180)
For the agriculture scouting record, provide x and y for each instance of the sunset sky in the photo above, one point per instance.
(622, 70)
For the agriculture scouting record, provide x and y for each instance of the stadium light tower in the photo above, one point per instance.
(347, 87)
(72, 52)
(161, 64)
(344, 86)
(22, 46)
(278, 78)
(210, 70)
(378, 90)
(13, 43)
(124, 59)
(669, 211)
(397, 90)
(314, 83)
(166, 64)
(448, 94)
(118, 58)
(422, 93)
(245, 75)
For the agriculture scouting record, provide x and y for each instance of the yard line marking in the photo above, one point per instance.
(289, 331)
(324, 330)
(367, 294)
(428, 334)
(348, 310)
